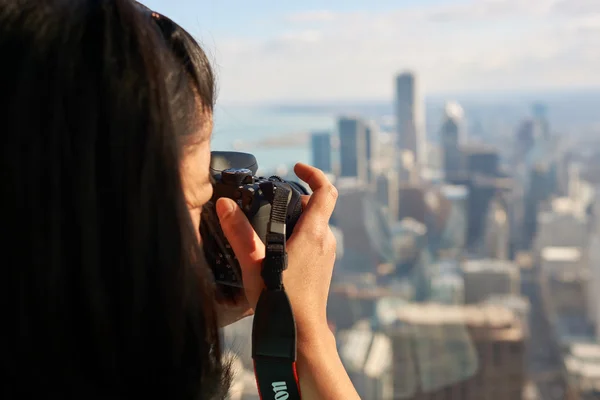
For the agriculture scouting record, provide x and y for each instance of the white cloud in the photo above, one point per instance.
(495, 44)
(307, 36)
(491, 9)
(577, 7)
(312, 16)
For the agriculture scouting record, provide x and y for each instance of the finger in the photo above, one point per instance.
(246, 245)
(304, 200)
(322, 202)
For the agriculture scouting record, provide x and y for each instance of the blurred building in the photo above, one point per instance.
(388, 191)
(454, 235)
(497, 231)
(452, 137)
(482, 193)
(409, 238)
(539, 190)
(372, 148)
(365, 229)
(487, 277)
(435, 156)
(556, 260)
(531, 392)
(563, 279)
(447, 283)
(525, 139)
(593, 286)
(515, 201)
(457, 352)
(408, 170)
(540, 116)
(410, 117)
(582, 369)
(581, 193)
(518, 304)
(564, 224)
(438, 210)
(562, 163)
(356, 298)
(484, 182)
(321, 151)
(482, 160)
(366, 355)
(411, 202)
(354, 158)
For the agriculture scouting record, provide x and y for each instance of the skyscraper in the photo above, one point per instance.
(387, 191)
(525, 139)
(540, 115)
(371, 148)
(354, 158)
(497, 229)
(320, 145)
(409, 117)
(451, 139)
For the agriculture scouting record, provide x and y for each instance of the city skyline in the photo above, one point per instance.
(505, 216)
(477, 276)
(267, 51)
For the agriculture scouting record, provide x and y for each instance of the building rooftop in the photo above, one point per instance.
(586, 351)
(524, 260)
(454, 111)
(475, 316)
(455, 191)
(493, 182)
(409, 225)
(352, 291)
(488, 265)
(561, 254)
(582, 368)
(514, 302)
(531, 391)
(350, 184)
(363, 350)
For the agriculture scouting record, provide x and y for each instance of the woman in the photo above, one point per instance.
(106, 129)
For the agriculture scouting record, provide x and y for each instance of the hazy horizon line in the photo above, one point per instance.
(524, 94)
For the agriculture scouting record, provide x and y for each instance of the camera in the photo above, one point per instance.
(234, 176)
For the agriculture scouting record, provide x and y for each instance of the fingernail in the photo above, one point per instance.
(225, 207)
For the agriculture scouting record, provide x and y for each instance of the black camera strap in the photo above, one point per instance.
(274, 327)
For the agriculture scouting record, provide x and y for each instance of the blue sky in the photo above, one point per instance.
(271, 50)
(235, 17)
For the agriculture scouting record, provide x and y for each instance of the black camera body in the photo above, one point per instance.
(234, 177)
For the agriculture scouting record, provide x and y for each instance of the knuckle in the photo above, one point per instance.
(319, 236)
(326, 241)
(333, 192)
(230, 218)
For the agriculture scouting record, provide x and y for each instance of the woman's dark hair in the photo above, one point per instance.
(107, 294)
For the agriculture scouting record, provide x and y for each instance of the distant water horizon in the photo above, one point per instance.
(277, 133)
(487, 96)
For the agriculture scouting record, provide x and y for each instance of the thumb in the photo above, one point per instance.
(246, 245)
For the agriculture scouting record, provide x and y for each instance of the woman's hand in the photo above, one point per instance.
(311, 253)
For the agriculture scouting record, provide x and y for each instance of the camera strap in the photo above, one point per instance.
(274, 327)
